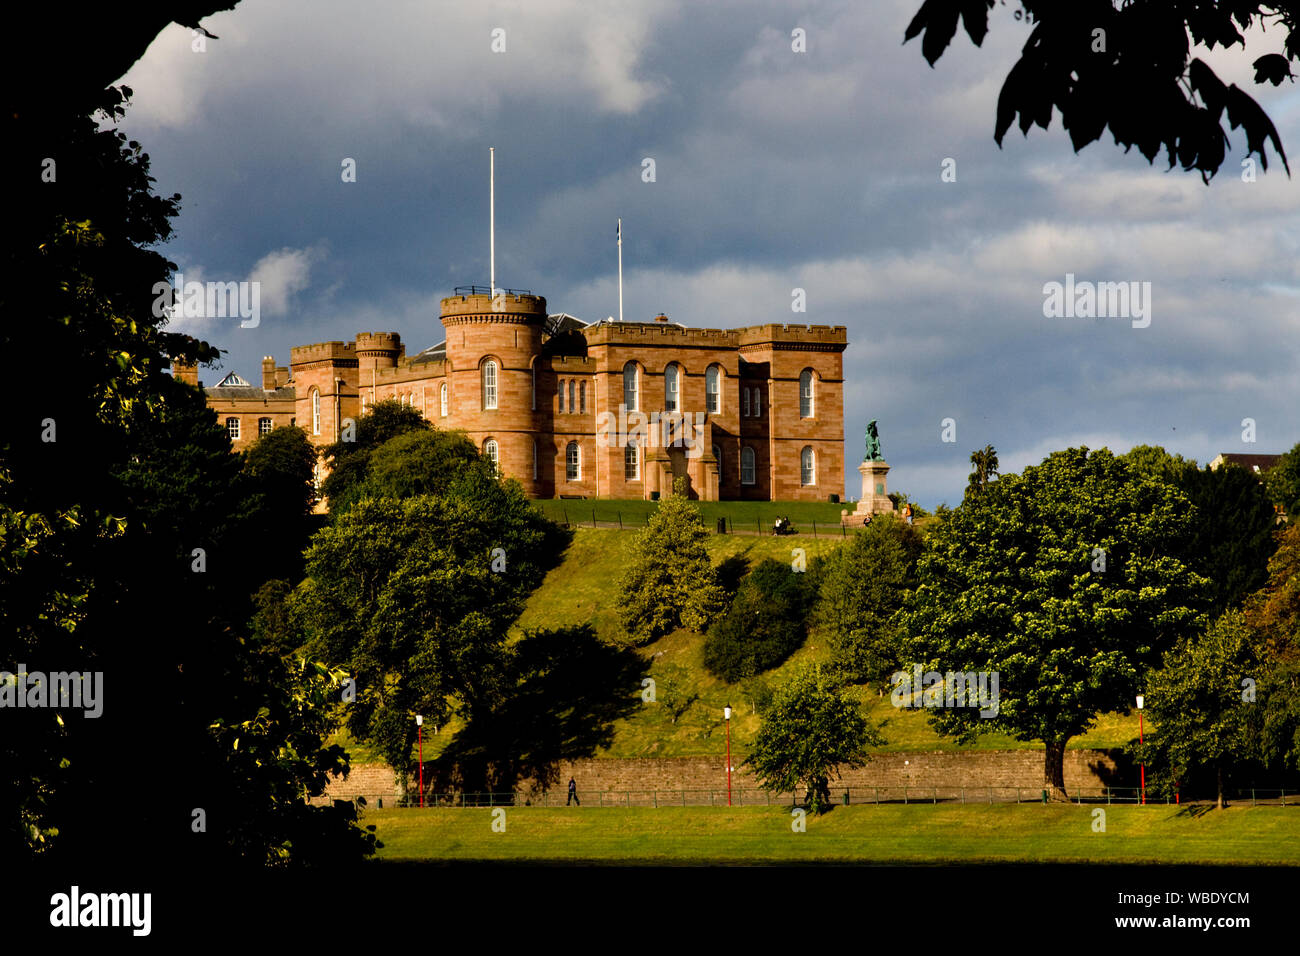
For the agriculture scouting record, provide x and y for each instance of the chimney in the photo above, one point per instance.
(183, 371)
(268, 372)
(661, 317)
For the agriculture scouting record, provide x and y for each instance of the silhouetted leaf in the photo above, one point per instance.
(938, 18)
(975, 18)
(1243, 111)
(1272, 67)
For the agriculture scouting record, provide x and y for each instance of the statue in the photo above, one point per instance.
(873, 443)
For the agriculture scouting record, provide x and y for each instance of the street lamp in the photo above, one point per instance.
(1143, 764)
(726, 715)
(419, 730)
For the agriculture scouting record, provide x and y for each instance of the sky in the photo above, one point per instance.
(774, 170)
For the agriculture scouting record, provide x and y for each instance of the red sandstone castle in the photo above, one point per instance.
(608, 409)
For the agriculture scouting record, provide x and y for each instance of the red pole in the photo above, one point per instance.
(1144, 766)
(728, 763)
(420, 731)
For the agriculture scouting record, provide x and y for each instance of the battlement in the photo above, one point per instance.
(321, 352)
(378, 342)
(793, 335)
(574, 364)
(479, 307)
(658, 334)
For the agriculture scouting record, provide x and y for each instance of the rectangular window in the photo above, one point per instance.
(582, 397)
(573, 462)
(758, 403)
(232, 427)
(744, 404)
(264, 426)
(631, 463)
(561, 396)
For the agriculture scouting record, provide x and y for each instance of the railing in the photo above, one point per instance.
(753, 796)
(486, 290)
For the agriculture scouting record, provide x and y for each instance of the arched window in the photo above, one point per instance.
(631, 463)
(744, 405)
(746, 465)
(532, 386)
(713, 389)
(561, 396)
(807, 466)
(315, 411)
(573, 462)
(264, 426)
(672, 388)
(534, 459)
(489, 384)
(492, 454)
(232, 428)
(806, 407)
(442, 400)
(573, 406)
(582, 397)
(631, 389)
(757, 405)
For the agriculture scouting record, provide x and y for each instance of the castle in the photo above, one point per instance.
(570, 409)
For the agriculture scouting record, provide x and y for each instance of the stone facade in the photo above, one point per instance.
(746, 413)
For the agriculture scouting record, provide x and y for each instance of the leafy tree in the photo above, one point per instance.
(281, 467)
(673, 690)
(808, 732)
(864, 584)
(766, 623)
(984, 465)
(1283, 483)
(349, 461)
(1202, 714)
(1129, 67)
(1231, 536)
(1274, 615)
(414, 598)
(670, 582)
(1065, 581)
(423, 462)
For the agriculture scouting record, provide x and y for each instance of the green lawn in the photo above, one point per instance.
(864, 834)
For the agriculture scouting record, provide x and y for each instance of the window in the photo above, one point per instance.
(489, 384)
(807, 466)
(746, 465)
(582, 397)
(757, 406)
(631, 463)
(630, 390)
(744, 408)
(264, 426)
(315, 411)
(806, 393)
(672, 387)
(712, 390)
(573, 462)
(442, 399)
(232, 427)
(532, 386)
(561, 396)
(534, 459)
(573, 407)
(492, 454)
(717, 453)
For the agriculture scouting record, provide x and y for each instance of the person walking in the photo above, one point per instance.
(573, 793)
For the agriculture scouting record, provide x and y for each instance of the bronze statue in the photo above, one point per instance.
(873, 443)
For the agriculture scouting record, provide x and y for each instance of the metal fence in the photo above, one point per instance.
(589, 518)
(846, 796)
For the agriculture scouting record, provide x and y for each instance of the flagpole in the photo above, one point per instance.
(492, 217)
(620, 270)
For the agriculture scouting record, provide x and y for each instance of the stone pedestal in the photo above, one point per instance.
(875, 494)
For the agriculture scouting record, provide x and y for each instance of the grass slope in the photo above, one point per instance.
(866, 834)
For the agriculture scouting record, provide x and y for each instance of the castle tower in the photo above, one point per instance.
(496, 387)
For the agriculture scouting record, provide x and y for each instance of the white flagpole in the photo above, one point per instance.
(620, 270)
(492, 217)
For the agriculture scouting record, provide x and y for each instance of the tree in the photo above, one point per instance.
(423, 462)
(808, 732)
(766, 623)
(984, 463)
(1063, 580)
(1283, 483)
(349, 461)
(1129, 67)
(1274, 615)
(414, 598)
(673, 690)
(1231, 536)
(670, 582)
(281, 468)
(1203, 708)
(863, 586)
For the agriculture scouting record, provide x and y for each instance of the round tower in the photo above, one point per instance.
(493, 345)
(378, 350)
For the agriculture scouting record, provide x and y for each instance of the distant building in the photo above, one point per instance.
(1256, 463)
(607, 409)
